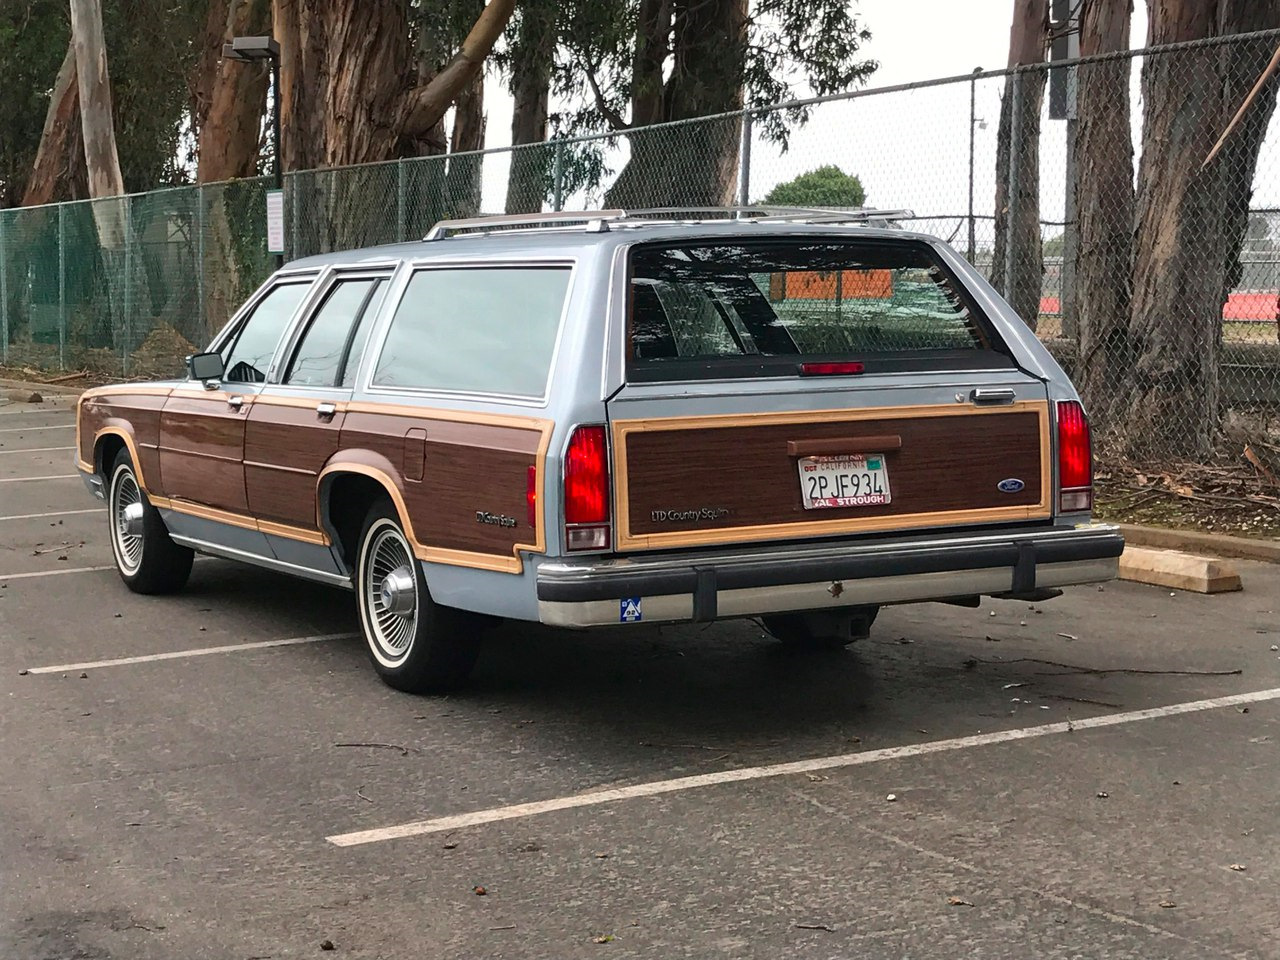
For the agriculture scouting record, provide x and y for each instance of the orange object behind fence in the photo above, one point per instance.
(845, 285)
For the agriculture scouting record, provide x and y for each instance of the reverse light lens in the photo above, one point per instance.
(1075, 458)
(831, 368)
(586, 490)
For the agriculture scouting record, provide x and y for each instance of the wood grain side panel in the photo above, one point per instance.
(285, 448)
(468, 468)
(946, 464)
(201, 446)
(135, 416)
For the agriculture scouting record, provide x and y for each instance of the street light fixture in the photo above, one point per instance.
(257, 50)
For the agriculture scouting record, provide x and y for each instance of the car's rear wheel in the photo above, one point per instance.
(147, 559)
(821, 630)
(415, 644)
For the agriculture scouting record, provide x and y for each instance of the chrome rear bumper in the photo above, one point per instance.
(746, 581)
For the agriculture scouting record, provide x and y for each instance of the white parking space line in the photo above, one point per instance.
(658, 787)
(35, 450)
(55, 513)
(58, 476)
(6, 577)
(180, 654)
(55, 426)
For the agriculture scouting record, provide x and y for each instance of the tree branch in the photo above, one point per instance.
(611, 115)
(424, 106)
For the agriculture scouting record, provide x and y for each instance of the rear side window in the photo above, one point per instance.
(476, 330)
(327, 348)
(714, 309)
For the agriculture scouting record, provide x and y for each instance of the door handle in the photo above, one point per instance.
(992, 395)
(326, 409)
(235, 403)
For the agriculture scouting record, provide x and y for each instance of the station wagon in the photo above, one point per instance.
(613, 418)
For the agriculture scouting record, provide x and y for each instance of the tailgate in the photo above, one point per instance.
(738, 469)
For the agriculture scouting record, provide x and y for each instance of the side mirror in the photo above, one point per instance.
(205, 366)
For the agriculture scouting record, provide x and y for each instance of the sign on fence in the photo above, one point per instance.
(275, 221)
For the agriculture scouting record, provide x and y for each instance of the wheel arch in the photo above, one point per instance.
(107, 444)
(345, 492)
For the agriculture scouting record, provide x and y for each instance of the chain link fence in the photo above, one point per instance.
(1153, 278)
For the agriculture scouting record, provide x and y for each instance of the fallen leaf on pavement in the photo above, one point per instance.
(958, 902)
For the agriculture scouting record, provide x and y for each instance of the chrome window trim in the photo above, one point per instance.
(313, 302)
(220, 338)
(304, 305)
(374, 349)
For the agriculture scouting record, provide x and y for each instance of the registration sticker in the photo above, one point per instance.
(629, 610)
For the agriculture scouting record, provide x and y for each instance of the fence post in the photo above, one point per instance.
(557, 176)
(198, 225)
(1015, 148)
(127, 309)
(4, 292)
(401, 225)
(291, 180)
(744, 161)
(62, 286)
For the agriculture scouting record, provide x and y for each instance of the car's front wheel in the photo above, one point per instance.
(415, 644)
(147, 559)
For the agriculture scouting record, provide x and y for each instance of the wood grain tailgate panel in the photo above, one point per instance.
(946, 463)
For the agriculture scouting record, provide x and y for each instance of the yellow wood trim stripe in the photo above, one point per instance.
(778, 531)
(516, 421)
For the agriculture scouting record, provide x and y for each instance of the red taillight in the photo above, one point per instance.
(831, 369)
(531, 495)
(586, 490)
(1075, 458)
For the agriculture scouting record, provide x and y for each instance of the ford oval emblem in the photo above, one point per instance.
(1012, 485)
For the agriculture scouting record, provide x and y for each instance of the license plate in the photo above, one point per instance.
(852, 481)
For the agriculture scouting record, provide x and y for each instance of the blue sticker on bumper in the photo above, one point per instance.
(629, 610)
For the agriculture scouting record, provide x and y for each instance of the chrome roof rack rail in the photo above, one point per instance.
(598, 221)
(592, 220)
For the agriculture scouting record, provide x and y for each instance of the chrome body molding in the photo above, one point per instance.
(257, 559)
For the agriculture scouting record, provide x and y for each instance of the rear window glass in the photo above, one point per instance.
(795, 300)
(478, 330)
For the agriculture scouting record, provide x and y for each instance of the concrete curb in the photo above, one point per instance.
(1190, 541)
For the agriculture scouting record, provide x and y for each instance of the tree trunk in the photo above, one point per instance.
(1240, 66)
(531, 61)
(425, 105)
(230, 97)
(1172, 409)
(688, 165)
(1021, 248)
(102, 162)
(58, 172)
(94, 84)
(465, 164)
(1104, 207)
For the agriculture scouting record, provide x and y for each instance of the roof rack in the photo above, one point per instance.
(599, 221)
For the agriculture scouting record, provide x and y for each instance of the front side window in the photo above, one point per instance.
(253, 346)
(770, 305)
(476, 330)
(327, 346)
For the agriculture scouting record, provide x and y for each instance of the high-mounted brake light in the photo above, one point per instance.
(1075, 458)
(586, 490)
(831, 368)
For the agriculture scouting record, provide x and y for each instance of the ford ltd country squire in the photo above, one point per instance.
(613, 418)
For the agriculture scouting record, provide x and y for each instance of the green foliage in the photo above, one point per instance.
(827, 186)
(33, 41)
(793, 47)
(1053, 247)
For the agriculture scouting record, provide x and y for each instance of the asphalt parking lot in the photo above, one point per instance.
(1094, 776)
